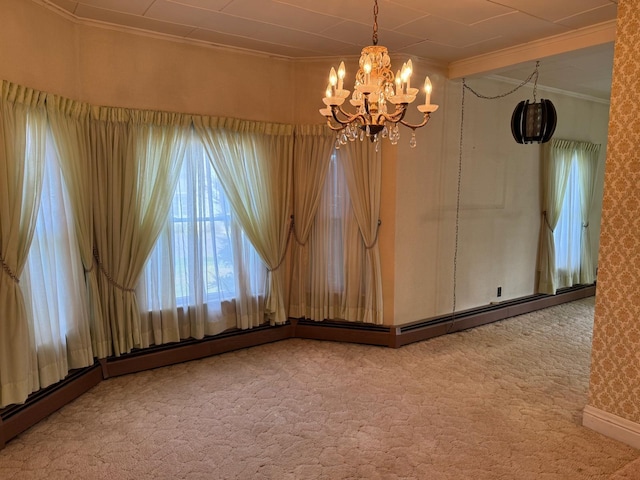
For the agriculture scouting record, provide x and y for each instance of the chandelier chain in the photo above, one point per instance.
(374, 38)
(533, 75)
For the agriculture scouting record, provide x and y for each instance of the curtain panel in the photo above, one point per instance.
(312, 155)
(254, 163)
(587, 156)
(362, 166)
(22, 143)
(69, 123)
(557, 157)
(138, 155)
(555, 166)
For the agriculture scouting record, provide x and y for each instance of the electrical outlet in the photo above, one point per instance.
(499, 294)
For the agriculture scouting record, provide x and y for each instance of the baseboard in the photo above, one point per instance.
(170, 354)
(16, 419)
(475, 317)
(348, 332)
(612, 426)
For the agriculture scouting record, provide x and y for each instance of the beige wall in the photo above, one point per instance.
(499, 216)
(615, 362)
(37, 48)
(103, 66)
(499, 205)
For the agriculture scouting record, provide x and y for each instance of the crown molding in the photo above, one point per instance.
(566, 42)
(559, 91)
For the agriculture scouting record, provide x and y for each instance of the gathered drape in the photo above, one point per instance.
(22, 143)
(254, 163)
(53, 283)
(587, 155)
(69, 123)
(312, 154)
(203, 276)
(362, 168)
(138, 156)
(556, 165)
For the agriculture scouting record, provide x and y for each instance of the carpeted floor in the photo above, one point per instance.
(503, 401)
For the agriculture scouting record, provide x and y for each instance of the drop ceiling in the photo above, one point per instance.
(445, 31)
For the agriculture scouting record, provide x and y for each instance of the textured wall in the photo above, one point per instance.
(615, 370)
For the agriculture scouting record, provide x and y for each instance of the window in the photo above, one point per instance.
(202, 267)
(568, 232)
(332, 211)
(202, 231)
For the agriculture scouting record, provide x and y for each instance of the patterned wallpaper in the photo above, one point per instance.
(615, 368)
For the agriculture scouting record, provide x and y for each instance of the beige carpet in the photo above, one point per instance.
(502, 401)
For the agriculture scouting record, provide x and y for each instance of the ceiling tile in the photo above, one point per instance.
(466, 12)
(434, 51)
(213, 5)
(276, 13)
(223, 39)
(68, 5)
(446, 32)
(124, 6)
(169, 11)
(597, 15)
(133, 21)
(390, 15)
(360, 36)
(518, 28)
(552, 11)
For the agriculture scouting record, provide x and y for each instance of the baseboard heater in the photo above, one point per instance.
(15, 419)
(463, 320)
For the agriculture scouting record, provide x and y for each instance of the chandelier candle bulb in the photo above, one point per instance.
(367, 70)
(427, 91)
(398, 83)
(341, 73)
(409, 72)
(333, 78)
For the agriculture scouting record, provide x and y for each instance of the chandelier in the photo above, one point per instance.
(375, 87)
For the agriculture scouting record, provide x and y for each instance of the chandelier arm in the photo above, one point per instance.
(427, 117)
(349, 117)
(335, 128)
(396, 116)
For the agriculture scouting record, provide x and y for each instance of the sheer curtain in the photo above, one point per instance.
(69, 123)
(587, 162)
(362, 169)
(567, 235)
(555, 167)
(138, 157)
(312, 157)
(203, 276)
(22, 143)
(53, 281)
(254, 163)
